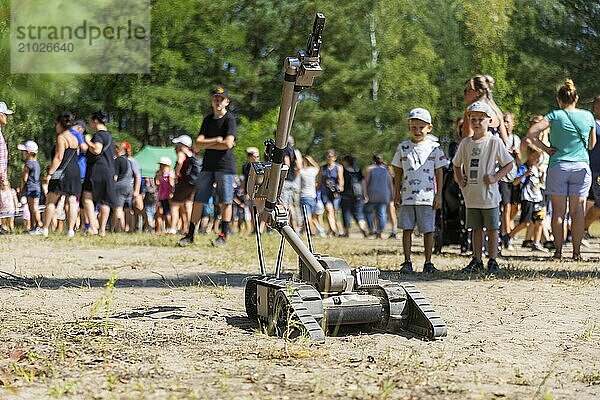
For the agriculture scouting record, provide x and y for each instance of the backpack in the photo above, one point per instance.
(356, 183)
(194, 166)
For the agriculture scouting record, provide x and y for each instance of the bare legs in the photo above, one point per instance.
(97, 225)
(51, 200)
(34, 212)
(332, 218)
(407, 245)
(559, 208)
(577, 212)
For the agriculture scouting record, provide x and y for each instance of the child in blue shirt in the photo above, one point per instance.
(30, 183)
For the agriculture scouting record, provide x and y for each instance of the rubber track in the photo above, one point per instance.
(295, 300)
(422, 318)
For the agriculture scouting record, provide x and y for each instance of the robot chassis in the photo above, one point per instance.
(327, 294)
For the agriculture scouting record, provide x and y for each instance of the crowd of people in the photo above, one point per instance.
(93, 184)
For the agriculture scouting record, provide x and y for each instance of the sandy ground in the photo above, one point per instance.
(173, 325)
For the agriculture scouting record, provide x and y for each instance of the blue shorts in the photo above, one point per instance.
(204, 187)
(34, 194)
(329, 198)
(207, 209)
(412, 216)
(150, 211)
(310, 203)
(569, 179)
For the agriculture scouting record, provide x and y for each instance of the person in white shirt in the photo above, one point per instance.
(475, 172)
(418, 165)
(308, 190)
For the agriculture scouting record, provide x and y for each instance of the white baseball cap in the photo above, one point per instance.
(184, 140)
(480, 106)
(4, 109)
(420, 114)
(29, 146)
(165, 160)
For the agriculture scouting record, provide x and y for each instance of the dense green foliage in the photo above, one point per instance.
(381, 58)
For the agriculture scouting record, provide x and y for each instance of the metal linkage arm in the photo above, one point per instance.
(299, 74)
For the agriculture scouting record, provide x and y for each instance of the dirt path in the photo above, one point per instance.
(174, 326)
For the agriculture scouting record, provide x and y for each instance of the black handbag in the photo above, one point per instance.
(59, 174)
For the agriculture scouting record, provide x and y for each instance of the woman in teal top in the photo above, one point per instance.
(572, 133)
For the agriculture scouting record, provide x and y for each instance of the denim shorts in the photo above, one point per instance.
(310, 203)
(569, 179)
(421, 216)
(204, 186)
(35, 194)
(329, 198)
(150, 211)
(479, 218)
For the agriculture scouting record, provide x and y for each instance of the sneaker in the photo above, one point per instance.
(36, 231)
(473, 267)
(527, 243)
(549, 245)
(220, 241)
(45, 232)
(393, 235)
(493, 267)
(539, 247)
(569, 237)
(406, 267)
(429, 268)
(509, 245)
(184, 241)
(70, 233)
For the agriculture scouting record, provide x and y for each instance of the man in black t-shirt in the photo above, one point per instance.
(217, 138)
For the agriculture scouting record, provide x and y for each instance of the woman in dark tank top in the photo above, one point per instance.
(331, 182)
(99, 183)
(64, 158)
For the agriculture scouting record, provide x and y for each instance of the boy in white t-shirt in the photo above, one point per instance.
(418, 165)
(475, 172)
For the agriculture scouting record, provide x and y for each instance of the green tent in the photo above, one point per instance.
(148, 158)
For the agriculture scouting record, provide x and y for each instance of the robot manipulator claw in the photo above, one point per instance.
(259, 180)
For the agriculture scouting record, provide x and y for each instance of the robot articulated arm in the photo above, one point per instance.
(266, 178)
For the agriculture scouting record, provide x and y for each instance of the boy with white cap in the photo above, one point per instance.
(475, 172)
(418, 165)
(30, 183)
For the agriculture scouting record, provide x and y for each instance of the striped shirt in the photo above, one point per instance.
(3, 158)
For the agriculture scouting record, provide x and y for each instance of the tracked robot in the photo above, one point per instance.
(326, 294)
